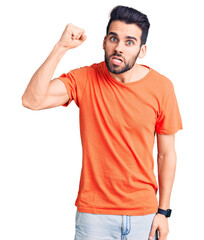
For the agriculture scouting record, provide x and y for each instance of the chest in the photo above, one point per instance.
(131, 109)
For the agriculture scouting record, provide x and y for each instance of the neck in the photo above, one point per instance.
(134, 74)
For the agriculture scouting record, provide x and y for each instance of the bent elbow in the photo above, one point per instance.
(27, 104)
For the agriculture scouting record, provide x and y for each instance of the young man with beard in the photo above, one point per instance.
(122, 106)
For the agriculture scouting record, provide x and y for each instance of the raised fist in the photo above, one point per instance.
(72, 37)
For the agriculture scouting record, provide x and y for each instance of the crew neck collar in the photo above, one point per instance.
(129, 83)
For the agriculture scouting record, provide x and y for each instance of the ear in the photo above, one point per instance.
(143, 51)
(104, 42)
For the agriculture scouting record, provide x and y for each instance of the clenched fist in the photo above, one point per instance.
(72, 37)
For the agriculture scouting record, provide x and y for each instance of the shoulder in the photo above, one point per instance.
(98, 66)
(91, 69)
(161, 82)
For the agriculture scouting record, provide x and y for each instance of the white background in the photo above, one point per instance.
(40, 151)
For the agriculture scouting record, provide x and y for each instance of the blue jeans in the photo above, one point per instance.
(109, 227)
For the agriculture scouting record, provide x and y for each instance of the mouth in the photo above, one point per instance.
(116, 60)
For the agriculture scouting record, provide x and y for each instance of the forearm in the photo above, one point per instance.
(39, 83)
(166, 174)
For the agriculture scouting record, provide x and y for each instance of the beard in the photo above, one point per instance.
(117, 69)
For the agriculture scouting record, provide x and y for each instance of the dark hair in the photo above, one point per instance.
(130, 15)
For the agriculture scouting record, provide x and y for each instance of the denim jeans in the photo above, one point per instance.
(90, 226)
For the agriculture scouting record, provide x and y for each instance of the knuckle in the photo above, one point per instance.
(68, 25)
(75, 30)
(154, 226)
(164, 233)
(74, 33)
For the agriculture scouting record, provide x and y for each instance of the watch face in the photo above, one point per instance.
(168, 213)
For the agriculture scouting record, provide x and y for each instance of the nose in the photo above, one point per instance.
(119, 47)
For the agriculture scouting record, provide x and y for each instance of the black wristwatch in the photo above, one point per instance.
(166, 213)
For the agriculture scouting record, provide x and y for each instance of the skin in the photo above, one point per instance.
(124, 42)
(43, 93)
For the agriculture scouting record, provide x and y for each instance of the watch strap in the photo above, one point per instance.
(167, 212)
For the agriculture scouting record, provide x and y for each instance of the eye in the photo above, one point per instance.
(113, 39)
(130, 43)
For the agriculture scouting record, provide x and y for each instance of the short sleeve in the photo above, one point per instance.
(75, 83)
(169, 118)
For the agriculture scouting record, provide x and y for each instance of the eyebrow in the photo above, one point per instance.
(128, 37)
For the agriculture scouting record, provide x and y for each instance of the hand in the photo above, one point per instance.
(72, 37)
(160, 223)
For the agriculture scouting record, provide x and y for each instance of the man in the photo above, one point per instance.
(122, 106)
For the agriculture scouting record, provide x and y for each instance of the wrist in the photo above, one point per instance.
(61, 48)
(164, 203)
(165, 207)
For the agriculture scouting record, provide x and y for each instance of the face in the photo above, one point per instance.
(122, 46)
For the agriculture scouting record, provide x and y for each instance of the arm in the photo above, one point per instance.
(166, 159)
(166, 168)
(42, 92)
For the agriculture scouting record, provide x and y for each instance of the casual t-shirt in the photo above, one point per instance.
(118, 122)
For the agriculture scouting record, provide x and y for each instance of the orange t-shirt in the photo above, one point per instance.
(117, 127)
